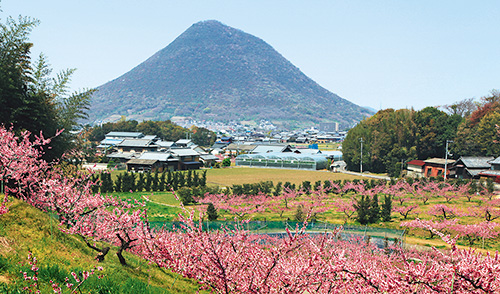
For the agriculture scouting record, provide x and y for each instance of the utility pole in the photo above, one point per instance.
(361, 157)
(446, 158)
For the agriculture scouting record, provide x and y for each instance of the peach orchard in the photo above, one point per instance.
(232, 260)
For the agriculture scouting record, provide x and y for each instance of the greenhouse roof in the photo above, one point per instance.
(284, 156)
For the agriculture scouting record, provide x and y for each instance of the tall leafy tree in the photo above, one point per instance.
(477, 134)
(31, 98)
(434, 128)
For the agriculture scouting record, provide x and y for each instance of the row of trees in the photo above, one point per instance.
(148, 181)
(393, 137)
(232, 260)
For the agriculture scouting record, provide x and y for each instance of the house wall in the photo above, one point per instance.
(434, 171)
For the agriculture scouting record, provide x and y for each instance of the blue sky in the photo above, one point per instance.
(381, 54)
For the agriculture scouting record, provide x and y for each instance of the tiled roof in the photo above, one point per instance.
(439, 161)
(124, 134)
(495, 161)
(184, 152)
(476, 161)
(135, 143)
(161, 156)
(142, 161)
(416, 162)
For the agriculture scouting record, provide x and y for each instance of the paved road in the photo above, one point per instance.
(366, 175)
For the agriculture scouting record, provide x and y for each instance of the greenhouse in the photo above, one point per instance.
(283, 160)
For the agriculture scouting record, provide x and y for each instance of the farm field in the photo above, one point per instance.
(163, 206)
(238, 175)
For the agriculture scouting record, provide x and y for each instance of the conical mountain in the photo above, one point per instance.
(215, 72)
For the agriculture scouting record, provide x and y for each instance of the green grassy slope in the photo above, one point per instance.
(25, 229)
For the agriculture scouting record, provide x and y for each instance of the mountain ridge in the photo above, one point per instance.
(215, 72)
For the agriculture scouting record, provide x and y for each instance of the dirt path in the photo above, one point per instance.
(164, 204)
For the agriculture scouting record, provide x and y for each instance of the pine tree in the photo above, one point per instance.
(203, 182)
(317, 185)
(185, 194)
(287, 186)
(154, 182)
(306, 187)
(181, 182)
(175, 183)
(327, 185)
(212, 212)
(110, 187)
(149, 182)
(362, 207)
(118, 183)
(189, 179)
(140, 183)
(161, 183)
(374, 211)
(128, 182)
(387, 208)
(125, 182)
(169, 179)
(196, 180)
(277, 189)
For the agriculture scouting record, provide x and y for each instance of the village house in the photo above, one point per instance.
(435, 167)
(111, 139)
(188, 158)
(470, 167)
(493, 172)
(415, 168)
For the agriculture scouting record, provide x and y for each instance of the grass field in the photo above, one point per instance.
(238, 175)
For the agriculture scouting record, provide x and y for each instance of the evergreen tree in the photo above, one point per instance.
(317, 185)
(103, 183)
(266, 187)
(181, 181)
(109, 183)
(386, 208)
(140, 182)
(30, 98)
(189, 179)
(149, 182)
(118, 183)
(175, 182)
(327, 185)
(277, 189)
(287, 186)
(237, 189)
(154, 182)
(185, 195)
(169, 179)
(203, 182)
(212, 212)
(362, 207)
(306, 187)
(161, 183)
(196, 180)
(374, 212)
(248, 189)
(125, 182)
(128, 182)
